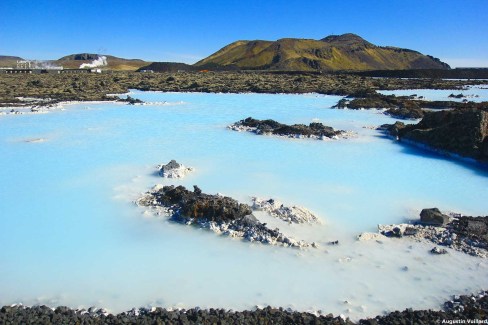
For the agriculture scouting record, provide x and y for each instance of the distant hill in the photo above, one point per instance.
(74, 61)
(168, 67)
(9, 61)
(332, 53)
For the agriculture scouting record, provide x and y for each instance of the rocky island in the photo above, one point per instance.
(220, 214)
(267, 127)
(173, 170)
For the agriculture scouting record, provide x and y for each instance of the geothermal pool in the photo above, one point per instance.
(71, 235)
(473, 93)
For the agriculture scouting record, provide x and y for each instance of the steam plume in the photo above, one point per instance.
(100, 62)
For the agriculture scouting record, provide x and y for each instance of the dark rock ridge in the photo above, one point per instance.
(459, 308)
(221, 214)
(403, 107)
(462, 233)
(463, 132)
(313, 130)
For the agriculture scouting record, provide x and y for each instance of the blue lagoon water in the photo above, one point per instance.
(71, 235)
(474, 93)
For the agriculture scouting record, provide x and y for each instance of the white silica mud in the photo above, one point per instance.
(71, 234)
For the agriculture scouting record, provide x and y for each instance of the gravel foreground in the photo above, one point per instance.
(472, 309)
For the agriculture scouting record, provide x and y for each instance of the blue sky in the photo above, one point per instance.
(186, 31)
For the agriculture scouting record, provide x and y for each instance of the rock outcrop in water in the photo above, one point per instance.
(221, 214)
(293, 214)
(131, 101)
(173, 170)
(398, 107)
(433, 217)
(268, 127)
(402, 107)
(462, 233)
(463, 132)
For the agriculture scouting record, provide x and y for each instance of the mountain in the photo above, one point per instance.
(9, 61)
(74, 61)
(334, 52)
(168, 67)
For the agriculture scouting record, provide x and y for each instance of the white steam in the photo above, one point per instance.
(100, 62)
(38, 64)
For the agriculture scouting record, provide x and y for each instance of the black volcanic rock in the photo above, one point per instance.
(405, 113)
(462, 233)
(399, 107)
(375, 100)
(433, 217)
(200, 205)
(474, 229)
(221, 214)
(317, 130)
(392, 129)
(462, 132)
(459, 310)
(130, 100)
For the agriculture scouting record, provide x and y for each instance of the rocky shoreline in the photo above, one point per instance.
(461, 233)
(97, 87)
(454, 311)
(463, 132)
(220, 214)
(314, 130)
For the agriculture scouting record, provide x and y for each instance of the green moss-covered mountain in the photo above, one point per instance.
(335, 52)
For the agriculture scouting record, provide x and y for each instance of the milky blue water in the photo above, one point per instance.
(70, 234)
(475, 93)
